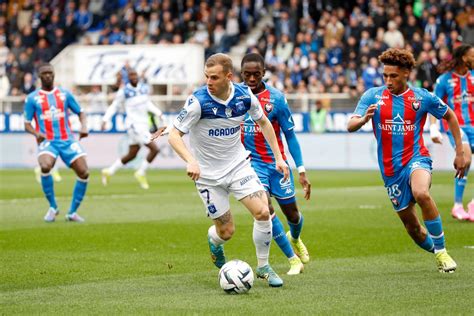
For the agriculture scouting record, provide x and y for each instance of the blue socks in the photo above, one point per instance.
(78, 194)
(427, 244)
(435, 230)
(48, 188)
(295, 229)
(459, 186)
(278, 232)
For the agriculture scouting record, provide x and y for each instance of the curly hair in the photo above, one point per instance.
(450, 64)
(398, 57)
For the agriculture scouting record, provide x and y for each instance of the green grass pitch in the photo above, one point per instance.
(145, 252)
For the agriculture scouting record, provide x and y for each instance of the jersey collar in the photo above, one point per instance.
(225, 102)
(48, 92)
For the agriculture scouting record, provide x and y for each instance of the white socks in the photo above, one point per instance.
(115, 166)
(262, 237)
(144, 165)
(215, 239)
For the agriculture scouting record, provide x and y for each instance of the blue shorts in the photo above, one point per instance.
(467, 136)
(399, 187)
(272, 181)
(68, 150)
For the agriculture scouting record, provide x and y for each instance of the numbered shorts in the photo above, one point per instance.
(241, 182)
(467, 137)
(399, 187)
(272, 181)
(138, 135)
(68, 150)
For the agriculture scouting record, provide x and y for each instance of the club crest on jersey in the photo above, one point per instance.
(415, 105)
(268, 107)
(228, 112)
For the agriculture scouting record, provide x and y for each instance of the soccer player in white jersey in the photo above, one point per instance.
(134, 97)
(219, 163)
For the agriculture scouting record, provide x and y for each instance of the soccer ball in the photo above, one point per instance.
(236, 277)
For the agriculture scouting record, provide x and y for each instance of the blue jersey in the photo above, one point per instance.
(458, 92)
(276, 108)
(50, 110)
(398, 124)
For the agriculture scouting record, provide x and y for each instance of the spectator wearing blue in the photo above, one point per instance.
(372, 75)
(83, 18)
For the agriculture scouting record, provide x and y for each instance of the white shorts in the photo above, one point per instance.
(138, 135)
(241, 182)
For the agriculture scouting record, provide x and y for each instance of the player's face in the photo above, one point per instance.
(217, 80)
(468, 58)
(395, 78)
(133, 77)
(252, 73)
(46, 74)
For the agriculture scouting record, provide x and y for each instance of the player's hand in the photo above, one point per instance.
(83, 133)
(40, 138)
(370, 112)
(158, 133)
(304, 181)
(103, 127)
(193, 171)
(282, 167)
(460, 165)
(435, 134)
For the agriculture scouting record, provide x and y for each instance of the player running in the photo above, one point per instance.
(398, 114)
(219, 163)
(456, 88)
(49, 106)
(276, 108)
(134, 97)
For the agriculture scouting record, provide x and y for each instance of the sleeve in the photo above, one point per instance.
(436, 106)
(190, 114)
(153, 109)
(255, 110)
(440, 88)
(112, 109)
(365, 101)
(294, 147)
(284, 115)
(29, 110)
(72, 103)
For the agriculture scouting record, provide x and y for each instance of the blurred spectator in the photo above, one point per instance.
(393, 37)
(318, 117)
(426, 71)
(467, 32)
(28, 84)
(372, 75)
(83, 17)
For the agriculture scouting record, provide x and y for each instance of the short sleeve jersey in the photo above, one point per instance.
(398, 124)
(50, 111)
(214, 128)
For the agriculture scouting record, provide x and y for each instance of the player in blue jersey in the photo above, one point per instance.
(219, 163)
(398, 114)
(456, 87)
(134, 97)
(276, 108)
(49, 107)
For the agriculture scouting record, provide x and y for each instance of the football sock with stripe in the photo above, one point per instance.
(435, 229)
(427, 244)
(48, 188)
(78, 194)
(262, 237)
(214, 237)
(278, 232)
(459, 186)
(295, 229)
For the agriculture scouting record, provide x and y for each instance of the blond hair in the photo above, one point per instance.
(220, 59)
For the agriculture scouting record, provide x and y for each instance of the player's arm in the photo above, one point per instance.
(269, 133)
(356, 121)
(459, 162)
(28, 116)
(175, 139)
(84, 131)
(155, 110)
(76, 108)
(295, 151)
(112, 109)
(435, 134)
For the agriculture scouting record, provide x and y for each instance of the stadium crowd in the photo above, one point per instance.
(311, 46)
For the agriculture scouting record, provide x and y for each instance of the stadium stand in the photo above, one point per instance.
(309, 46)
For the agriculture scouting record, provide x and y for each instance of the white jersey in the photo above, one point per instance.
(214, 128)
(137, 104)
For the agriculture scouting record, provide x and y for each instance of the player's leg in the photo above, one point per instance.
(470, 205)
(458, 211)
(420, 180)
(46, 161)
(140, 174)
(119, 163)
(413, 227)
(216, 201)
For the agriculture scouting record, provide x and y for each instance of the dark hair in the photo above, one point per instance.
(452, 63)
(398, 57)
(253, 57)
(44, 65)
